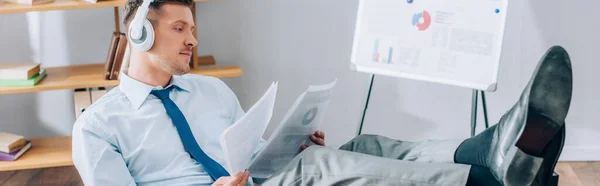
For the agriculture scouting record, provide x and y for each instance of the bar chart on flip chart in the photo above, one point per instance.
(451, 42)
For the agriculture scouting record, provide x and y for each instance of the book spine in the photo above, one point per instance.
(6, 157)
(111, 55)
(16, 145)
(119, 54)
(29, 82)
(19, 73)
(33, 71)
(15, 155)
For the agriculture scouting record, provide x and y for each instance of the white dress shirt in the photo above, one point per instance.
(127, 138)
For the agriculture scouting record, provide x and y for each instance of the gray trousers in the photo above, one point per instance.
(375, 160)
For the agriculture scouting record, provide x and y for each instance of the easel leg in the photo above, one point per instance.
(485, 116)
(474, 112)
(362, 121)
(473, 109)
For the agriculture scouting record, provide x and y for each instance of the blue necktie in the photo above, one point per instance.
(214, 169)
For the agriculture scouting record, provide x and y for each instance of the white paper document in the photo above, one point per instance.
(240, 141)
(299, 123)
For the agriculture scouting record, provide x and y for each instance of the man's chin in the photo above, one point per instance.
(174, 70)
(181, 71)
(176, 67)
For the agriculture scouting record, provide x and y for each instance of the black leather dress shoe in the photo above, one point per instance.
(528, 138)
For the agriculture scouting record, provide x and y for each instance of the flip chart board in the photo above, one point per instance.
(454, 42)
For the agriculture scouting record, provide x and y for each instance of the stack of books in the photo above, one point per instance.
(21, 74)
(12, 146)
(118, 56)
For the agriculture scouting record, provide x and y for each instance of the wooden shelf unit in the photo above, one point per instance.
(91, 76)
(9, 8)
(44, 152)
(56, 151)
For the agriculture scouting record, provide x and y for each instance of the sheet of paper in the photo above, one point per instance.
(301, 121)
(240, 140)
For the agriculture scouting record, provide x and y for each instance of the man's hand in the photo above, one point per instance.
(240, 179)
(318, 138)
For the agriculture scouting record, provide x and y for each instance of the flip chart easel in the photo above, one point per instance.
(474, 106)
(449, 42)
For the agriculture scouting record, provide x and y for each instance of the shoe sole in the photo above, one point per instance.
(535, 120)
(549, 101)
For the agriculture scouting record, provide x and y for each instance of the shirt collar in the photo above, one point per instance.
(137, 91)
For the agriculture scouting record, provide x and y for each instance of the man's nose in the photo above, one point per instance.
(191, 41)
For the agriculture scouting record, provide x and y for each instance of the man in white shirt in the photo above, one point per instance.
(160, 126)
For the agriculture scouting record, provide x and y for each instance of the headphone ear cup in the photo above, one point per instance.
(149, 29)
(147, 39)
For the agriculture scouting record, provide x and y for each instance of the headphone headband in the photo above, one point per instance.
(138, 21)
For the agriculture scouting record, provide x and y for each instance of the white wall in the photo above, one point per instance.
(285, 40)
(297, 43)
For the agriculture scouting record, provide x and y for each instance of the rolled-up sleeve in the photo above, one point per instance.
(97, 160)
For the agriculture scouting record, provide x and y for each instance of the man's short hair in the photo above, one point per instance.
(132, 5)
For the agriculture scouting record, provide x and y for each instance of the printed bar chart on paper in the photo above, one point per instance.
(451, 42)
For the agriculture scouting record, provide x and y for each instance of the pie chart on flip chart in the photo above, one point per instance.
(455, 42)
(422, 20)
